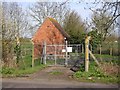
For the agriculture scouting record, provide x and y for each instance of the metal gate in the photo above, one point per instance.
(62, 55)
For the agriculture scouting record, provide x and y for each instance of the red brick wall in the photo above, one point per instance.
(48, 33)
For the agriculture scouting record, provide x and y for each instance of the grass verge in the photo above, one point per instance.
(23, 69)
(95, 74)
(12, 72)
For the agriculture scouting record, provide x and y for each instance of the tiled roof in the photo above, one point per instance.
(57, 25)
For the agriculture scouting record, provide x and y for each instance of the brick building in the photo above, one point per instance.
(50, 32)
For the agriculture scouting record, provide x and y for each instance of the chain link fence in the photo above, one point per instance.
(107, 51)
(25, 56)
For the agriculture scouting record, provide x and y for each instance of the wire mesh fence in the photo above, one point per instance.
(56, 54)
(107, 52)
(25, 55)
(107, 48)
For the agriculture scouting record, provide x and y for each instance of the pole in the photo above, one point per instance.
(91, 48)
(111, 49)
(100, 50)
(87, 53)
(32, 54)
(82, 49)
(55, 54)
(94, 58)
(66, 59)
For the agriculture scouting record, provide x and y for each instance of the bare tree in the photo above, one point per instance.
(104, 9)
(111, 11)
(13, 24)
(40, 10)
(6, 35)
(0, 32)
(99, 22)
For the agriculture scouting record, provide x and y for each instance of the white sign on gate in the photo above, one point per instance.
(69, 49)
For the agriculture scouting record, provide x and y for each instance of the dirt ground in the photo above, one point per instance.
(51, 73)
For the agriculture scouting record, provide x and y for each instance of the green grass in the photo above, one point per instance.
(56, 73)
(95, 74)
(24, 68)
(108, 58)
(25, 63)
(21, 72)
(28, 70)
(26, 45)
(105, 56)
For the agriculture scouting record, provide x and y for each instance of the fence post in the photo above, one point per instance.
(44, 53)
(100, 49)
(32, 54)
(55, 55)
(111, 48)
(91, 48)
(82, 49)
(111, 51)
(87, 53)
(66, 59)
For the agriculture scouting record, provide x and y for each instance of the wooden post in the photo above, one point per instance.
(100, 52)
(91, 48)
(111, 48)
(82, 49)
(87, 53)
(55, 55)
(100, 49)
(94, 58)
(32, 54)
(25, 51)
(111, 51)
